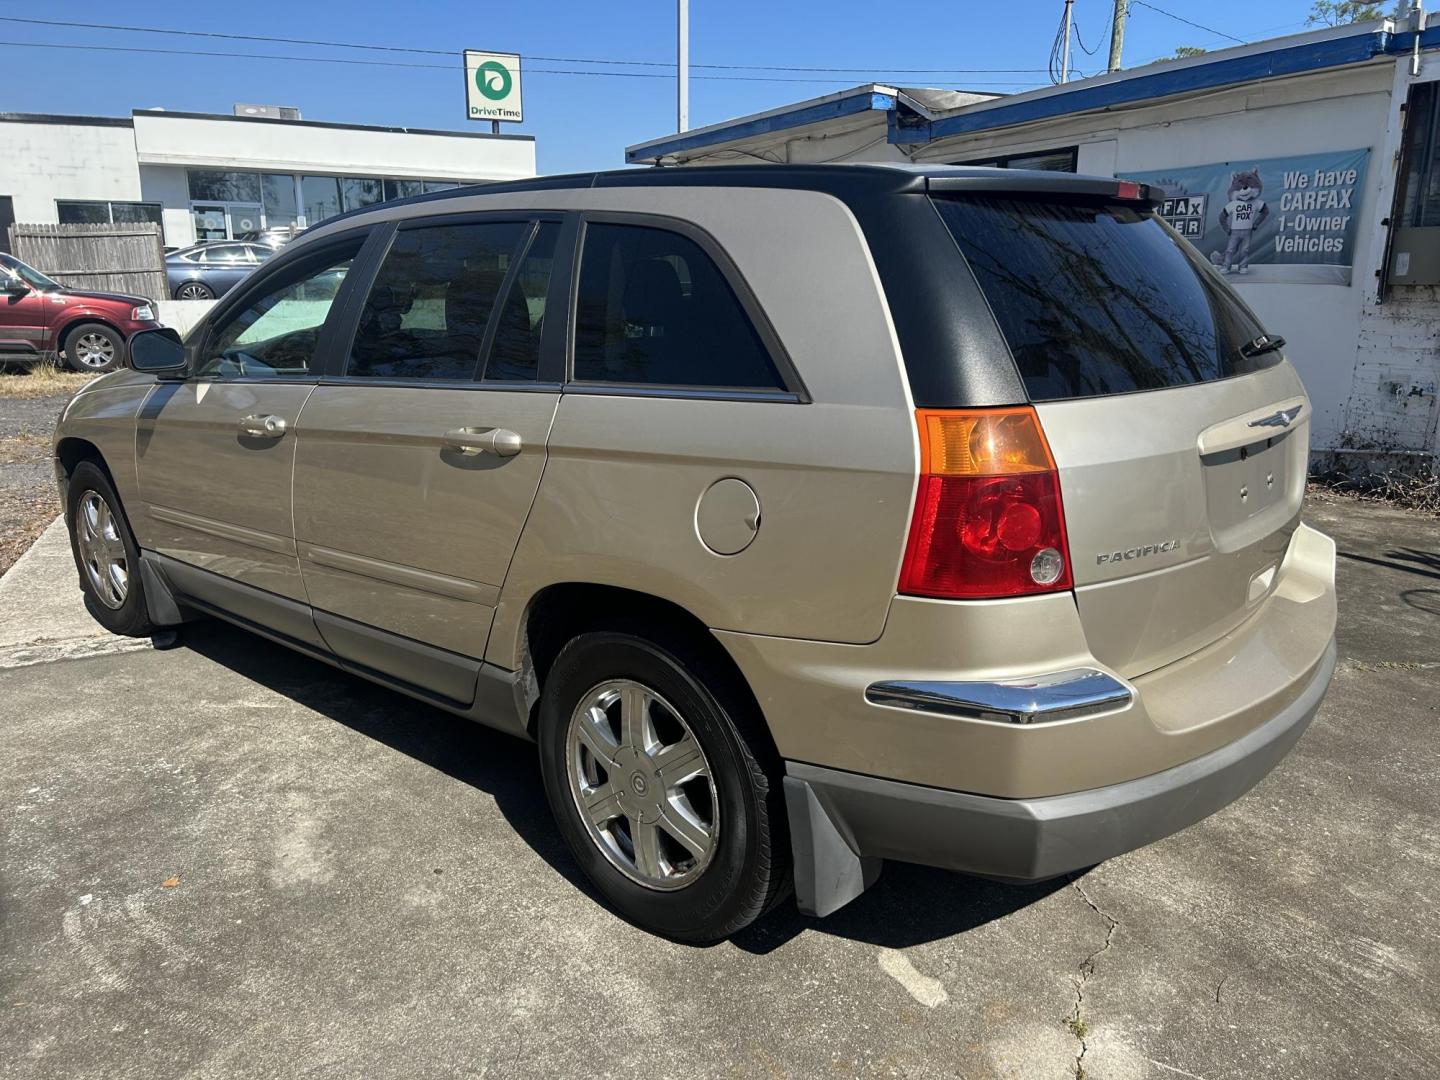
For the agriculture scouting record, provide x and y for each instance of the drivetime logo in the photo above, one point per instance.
(496, 93)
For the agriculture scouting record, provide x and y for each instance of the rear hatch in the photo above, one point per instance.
(1179, 432)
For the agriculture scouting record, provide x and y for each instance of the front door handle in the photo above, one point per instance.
(472, 441)
(263, 427)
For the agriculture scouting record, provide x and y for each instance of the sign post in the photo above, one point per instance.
(492, 88)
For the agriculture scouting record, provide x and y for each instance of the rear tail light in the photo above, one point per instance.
(988, 520)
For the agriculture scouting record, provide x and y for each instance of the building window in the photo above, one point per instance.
(322, 198)
(356, 191)
(278, 199)
(1420, 171)
(210, 185)
(1044, 160)
(99, 212)
(403, 189)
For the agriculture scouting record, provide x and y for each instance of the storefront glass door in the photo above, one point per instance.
(226, 221)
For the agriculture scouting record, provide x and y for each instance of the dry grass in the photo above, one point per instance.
(40, 380)
(1406, 491)
(24, 513)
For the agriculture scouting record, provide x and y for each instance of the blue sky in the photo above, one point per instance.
(580, 121)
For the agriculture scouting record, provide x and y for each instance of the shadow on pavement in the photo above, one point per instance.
(1406, 560)
(909, 905)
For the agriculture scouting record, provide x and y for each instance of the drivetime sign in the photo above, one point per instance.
(492, 86)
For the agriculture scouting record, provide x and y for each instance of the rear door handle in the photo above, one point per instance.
(268, 426)
(472, 441)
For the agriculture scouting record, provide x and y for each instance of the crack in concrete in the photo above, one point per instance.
(1077, 1023)
(53, 650)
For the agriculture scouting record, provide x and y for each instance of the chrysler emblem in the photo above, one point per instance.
(1279, 418)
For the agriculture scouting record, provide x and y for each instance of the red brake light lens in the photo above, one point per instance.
(1127, 189)
(988, 520)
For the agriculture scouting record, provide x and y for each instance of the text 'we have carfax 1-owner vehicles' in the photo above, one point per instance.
(805, 517)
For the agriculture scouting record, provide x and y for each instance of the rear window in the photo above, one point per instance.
(1100, 298)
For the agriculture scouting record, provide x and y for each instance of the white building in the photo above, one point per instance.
(1342, 125)
(205, 177)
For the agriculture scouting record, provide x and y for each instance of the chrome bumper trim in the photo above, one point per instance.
(1032, 699)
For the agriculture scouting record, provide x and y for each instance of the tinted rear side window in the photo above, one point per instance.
(1098, 298)
(428, 310)
(655, 309)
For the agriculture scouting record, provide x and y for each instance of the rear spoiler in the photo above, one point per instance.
(1034, 182)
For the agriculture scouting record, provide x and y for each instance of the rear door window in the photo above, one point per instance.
(655, 309)
(1100, 298)
(515, 352)
(431, 303)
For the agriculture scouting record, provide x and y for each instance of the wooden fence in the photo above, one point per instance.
(126, 258)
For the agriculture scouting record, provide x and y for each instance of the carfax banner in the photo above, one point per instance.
(1290, 219)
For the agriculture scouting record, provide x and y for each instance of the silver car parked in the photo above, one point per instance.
(804, 517)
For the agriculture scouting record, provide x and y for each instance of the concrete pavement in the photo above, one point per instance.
(228, 860)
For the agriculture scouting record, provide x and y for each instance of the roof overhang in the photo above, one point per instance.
(917, 117)
(791, 119)
(1281, 57)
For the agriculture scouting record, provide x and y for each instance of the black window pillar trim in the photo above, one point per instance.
(556, 335)
(339, 336)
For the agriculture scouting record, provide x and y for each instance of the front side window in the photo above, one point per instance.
(427, 313)
(655, 309)
(275, 335)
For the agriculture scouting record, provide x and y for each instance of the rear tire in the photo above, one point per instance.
(94, 347)
(106, 554)
(194, 290)
(651, 859)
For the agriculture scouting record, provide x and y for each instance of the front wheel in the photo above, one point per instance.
(94, 347)
(105, 553)
(656, 790)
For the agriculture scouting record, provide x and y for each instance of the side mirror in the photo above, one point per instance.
(159, 351)
(14, 286)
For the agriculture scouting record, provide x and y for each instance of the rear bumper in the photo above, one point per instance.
(1018, 839)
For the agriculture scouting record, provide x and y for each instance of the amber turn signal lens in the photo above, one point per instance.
(995, 442)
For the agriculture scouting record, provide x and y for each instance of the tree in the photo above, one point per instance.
(1341, 12)
(1184, 52)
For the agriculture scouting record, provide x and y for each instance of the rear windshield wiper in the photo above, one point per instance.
(1262, 344)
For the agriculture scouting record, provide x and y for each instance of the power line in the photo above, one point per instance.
(542, 59)
(413, 65)
(1187, 22)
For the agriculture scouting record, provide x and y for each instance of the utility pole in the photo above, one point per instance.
(1117, 33)
(1065, 55)
(682, 81)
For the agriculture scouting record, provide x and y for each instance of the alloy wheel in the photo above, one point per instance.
(102, 551)
(93, 350)
(642, 785)
(191, 291)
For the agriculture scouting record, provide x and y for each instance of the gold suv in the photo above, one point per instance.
(804, 517)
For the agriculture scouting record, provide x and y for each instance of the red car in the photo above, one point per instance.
(41, 319)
